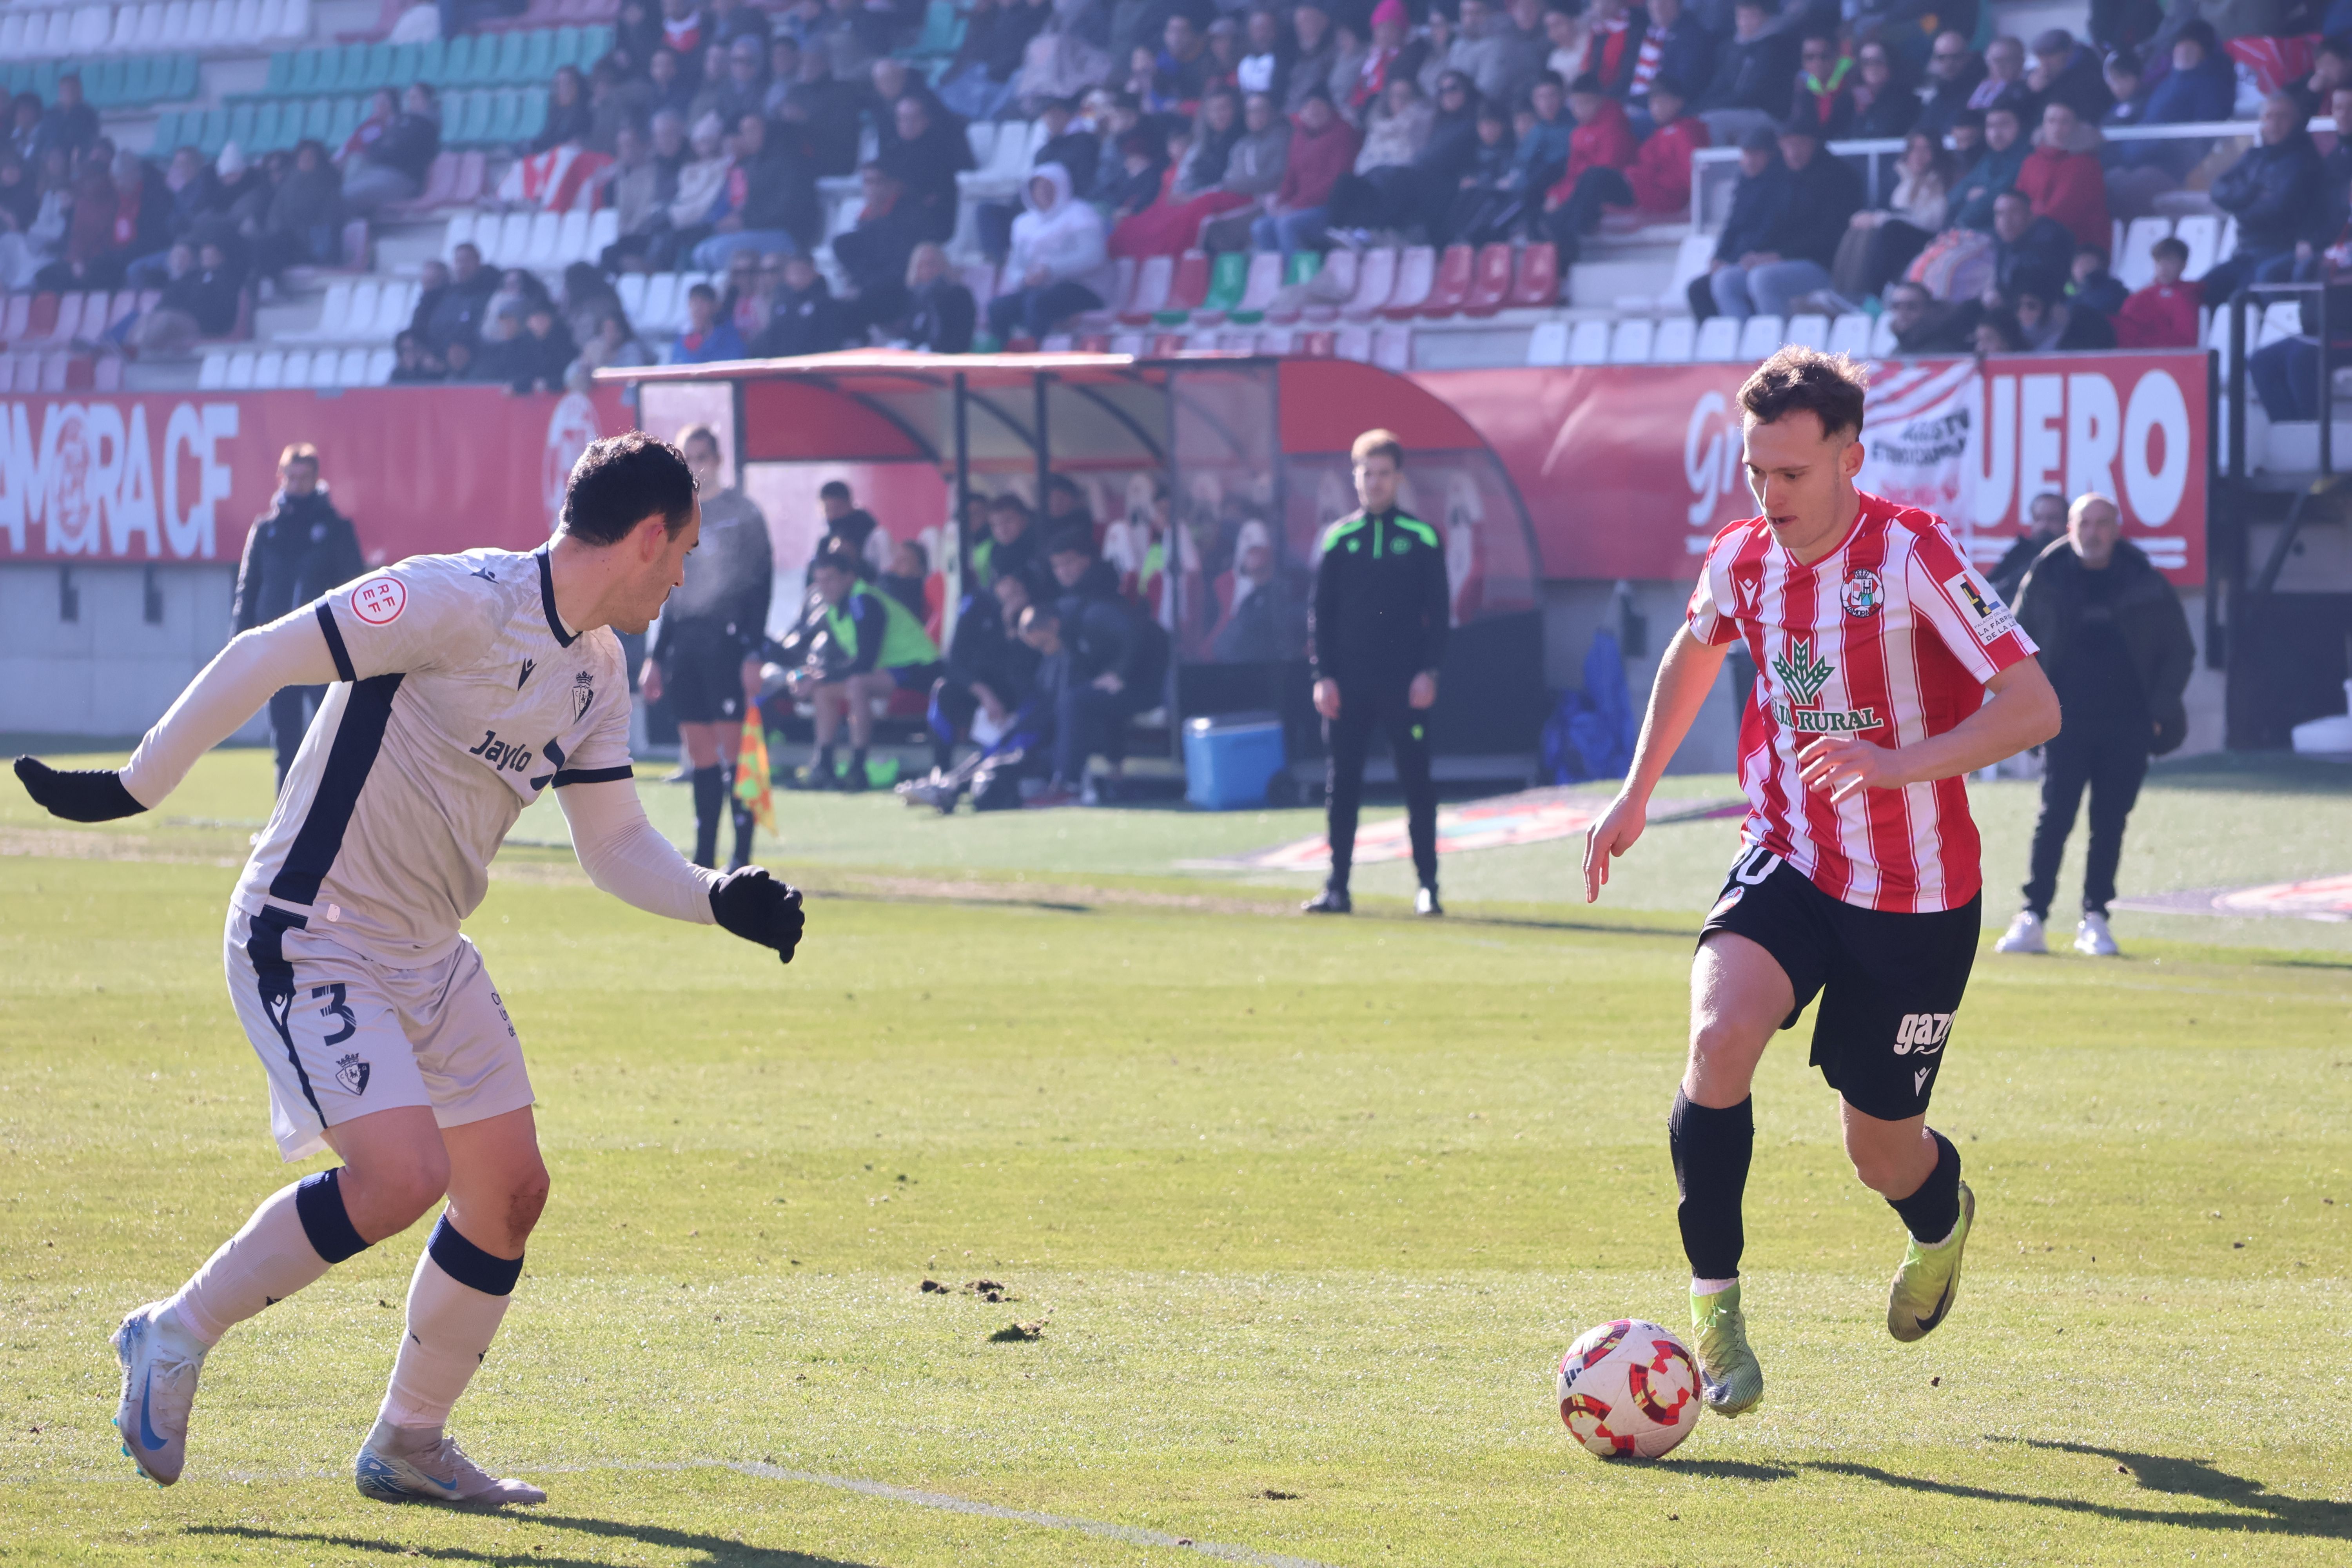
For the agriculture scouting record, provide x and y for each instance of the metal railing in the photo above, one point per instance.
(1713, 169)
(2253, 299)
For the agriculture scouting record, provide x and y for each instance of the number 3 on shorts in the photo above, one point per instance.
(336, 1008)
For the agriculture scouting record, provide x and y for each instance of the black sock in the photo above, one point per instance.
(1930, 1213)
(1711, 1150)
(709, 789)
(824, 762)
(942, 755)
(857, 761)
(744, 824)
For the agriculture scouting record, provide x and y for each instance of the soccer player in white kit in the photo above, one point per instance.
(1888, 670)
(464, 685)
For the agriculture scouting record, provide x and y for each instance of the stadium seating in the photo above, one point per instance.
(1587, 342)
(1632, 340)
(108, 82)
(136, 25)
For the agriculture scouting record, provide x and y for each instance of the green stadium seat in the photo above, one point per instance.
(512, 48)
(241, 127)
(267, 133)
(596, 43)
(319, 119)
(466, 117)
(459, 52)
(281, 73)
(1226, 281)
(301, 73)
(942, 29)
(102, 83)
(568, 46)
(432, 66)
(137, 84)
(1304, 266)
(506, 115)
(403, 64)
(376, 69)
(187, 77)
(538, 56)
(530, 117)
(348, 112)
(167, 133)
(211, 131)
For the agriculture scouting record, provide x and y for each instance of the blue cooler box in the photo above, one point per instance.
(1229, 760)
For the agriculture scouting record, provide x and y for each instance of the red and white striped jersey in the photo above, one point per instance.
(1891, 637)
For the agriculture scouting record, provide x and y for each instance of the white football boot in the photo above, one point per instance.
(2024, 935)
(2094, 940)
(160, 1360)
(400, 1464)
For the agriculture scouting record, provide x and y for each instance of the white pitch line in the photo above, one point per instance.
(946, 1502)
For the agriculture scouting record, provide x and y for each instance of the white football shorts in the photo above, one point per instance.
(341, 1036)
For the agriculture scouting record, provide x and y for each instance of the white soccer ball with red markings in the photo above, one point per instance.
(1627, 1389)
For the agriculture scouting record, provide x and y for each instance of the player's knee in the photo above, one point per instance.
(1715, 1042)
(402, 1192)
(526, 1199)
(1878, 1169)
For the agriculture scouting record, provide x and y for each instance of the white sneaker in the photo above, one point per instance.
(1426, 903)
(159, 1364)
(2094, 940)
(400, 1464)
(2024, 935)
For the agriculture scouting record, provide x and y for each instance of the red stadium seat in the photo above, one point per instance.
(1189, 285)
(1094, 344)
(1490, 284)
(1456, 270)
(1166, 345)
(1316, 344)
(1539, 279)
(1416, 273)
(41, 320)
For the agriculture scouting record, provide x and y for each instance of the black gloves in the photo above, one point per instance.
(758, 908)
(86, 794)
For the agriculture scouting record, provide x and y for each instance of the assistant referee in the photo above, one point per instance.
(1375, 636)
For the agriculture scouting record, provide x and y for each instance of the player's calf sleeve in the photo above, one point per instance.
(709, 792)
(1711, 1150)
(1931, 1213)
(293, 1238)
(456, 1299)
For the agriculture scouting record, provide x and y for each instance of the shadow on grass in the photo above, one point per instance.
(1724, 1471)
(2256, 1509)
(717, 1551)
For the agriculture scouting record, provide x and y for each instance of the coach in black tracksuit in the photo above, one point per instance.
(1374, 639)
(297, 550)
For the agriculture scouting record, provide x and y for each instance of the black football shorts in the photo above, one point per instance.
(1890, 984)
(702, 675)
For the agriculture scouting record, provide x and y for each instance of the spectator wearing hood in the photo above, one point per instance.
(1059, 255)
(2067, 186)
(940, 311)
(2070, 75)
(1753, 68)
(1995, 170)
(1322, 149)
(2274, 192)
(393, 169)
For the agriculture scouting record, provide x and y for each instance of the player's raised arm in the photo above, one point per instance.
(289, 651)
(1685, 675)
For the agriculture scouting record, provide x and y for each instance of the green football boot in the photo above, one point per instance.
(1731, 1380)
(1930, 1279)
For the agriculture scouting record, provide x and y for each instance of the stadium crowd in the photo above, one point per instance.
(1170, 126)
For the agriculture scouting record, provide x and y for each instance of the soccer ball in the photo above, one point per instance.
(1628, 1388)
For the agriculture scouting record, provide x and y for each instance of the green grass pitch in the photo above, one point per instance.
(1306, 1210)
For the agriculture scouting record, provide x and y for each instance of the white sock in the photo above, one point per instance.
(1710, 1286)
(267, 1261)
(450, 1326)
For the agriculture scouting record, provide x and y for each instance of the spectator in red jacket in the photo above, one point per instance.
(2067, 185)
(2164, 314)
(1322, 148)
(1657, 181)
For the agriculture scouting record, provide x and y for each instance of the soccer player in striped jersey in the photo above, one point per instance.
(465, 687)
(1886, 669)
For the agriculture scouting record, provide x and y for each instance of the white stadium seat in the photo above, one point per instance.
(1808, 331)
(1718, 339)
(295, 369)
(2201, 233)
(1850, 334)
(1674, 341)
(268, 370)
(379, 368)
(1630, 342)
(1758, 336)
(1882, 339)
(214, 376)
(2135, 268)
(324, 365)
(1548, 344)
(1587, 342)
(238, 378)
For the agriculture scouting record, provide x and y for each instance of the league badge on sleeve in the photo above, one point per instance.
(379, 600)
(1988, 616)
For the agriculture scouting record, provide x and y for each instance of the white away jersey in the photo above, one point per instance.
(1891, 637)
(462, 697)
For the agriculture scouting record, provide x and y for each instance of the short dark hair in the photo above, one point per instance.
(922, 556)
(1377, 444)
(694, 433)
(1830, 386)
(1073, 541)
(622, 480)
(832, 488)
(1588, 85)
(2171, 247)
(830, 560)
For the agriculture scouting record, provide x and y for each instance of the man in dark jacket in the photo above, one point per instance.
(2274, 192)
(296, 551)
(989, 670)
(2116, 644)
(1756, 202)
(1753, 69)
(1794, 257)
(2070, 76)
(1375, 637)
(394, 168)
(774, 191)
(1117, 668)
(804, 318)
(1953, 71)
(2026, 248)
(2045, 523)
(874, 254)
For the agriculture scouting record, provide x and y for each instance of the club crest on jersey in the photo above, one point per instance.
(1862, 593)
(1802, 676)
(351, 1073)
(582, 694)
